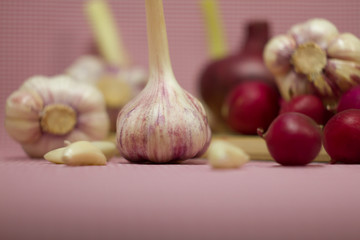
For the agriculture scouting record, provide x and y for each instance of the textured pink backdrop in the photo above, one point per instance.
(40, 200)
(45, 36)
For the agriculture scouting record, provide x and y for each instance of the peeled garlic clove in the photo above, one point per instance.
(317, 30)
(83, 153)
(222, 154)
(164, 122)
(346, 47)
(343, 74)
(277, 54)
(107, 148)
(55, 156)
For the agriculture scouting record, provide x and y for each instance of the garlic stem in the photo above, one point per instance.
(58, 119)
(106, 33)
(214, 28)
(159, 57)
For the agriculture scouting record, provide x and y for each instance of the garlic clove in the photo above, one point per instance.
(107, 148)
(277, 54)
(55, 156)
(346, 47)
(317, 30)
(344, 74)
(83, 153)
(22, 116)
(293, 84)
(23, 131)
(24, 104)
(222, 154)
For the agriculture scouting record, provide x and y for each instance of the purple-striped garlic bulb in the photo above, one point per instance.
(314, 58)
(44, 112)
(164, 122)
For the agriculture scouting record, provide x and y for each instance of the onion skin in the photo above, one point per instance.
(251, 105)
(350, 100)
(307, 104)
(342, 137)
(293, 139)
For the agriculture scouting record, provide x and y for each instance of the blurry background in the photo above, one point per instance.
(46, 36)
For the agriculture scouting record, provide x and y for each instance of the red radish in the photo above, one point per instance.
(342, 137)
(350, 99)
(251, 105)
(220, 76)
(293, 139)
(310, 105)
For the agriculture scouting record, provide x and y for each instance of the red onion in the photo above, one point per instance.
(342, 137)
(251, 105)
(293, 139)
(350, 99)
(220, 76)
(307, 104)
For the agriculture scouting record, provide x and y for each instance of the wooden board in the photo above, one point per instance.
(255, 146)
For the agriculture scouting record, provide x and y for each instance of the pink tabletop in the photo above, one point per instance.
(262, 200)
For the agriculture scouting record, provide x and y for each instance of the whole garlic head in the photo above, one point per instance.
(44, 112)
(314, 58)
(164, 122)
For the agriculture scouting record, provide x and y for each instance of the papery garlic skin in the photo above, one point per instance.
(27, 107)
(304, 60)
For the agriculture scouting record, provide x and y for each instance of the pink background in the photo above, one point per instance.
(40, 200)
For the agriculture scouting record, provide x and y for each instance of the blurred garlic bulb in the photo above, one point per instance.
(118, 85)
(44, 112)
(314, 58)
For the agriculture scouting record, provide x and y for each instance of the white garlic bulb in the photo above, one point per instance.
(164, 122)
(313, 58)
(44, 112)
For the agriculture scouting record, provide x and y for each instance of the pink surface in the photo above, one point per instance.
(262, 200)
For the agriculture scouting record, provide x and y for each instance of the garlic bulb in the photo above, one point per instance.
(314, 58)
(44, 112)
(164, 122)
